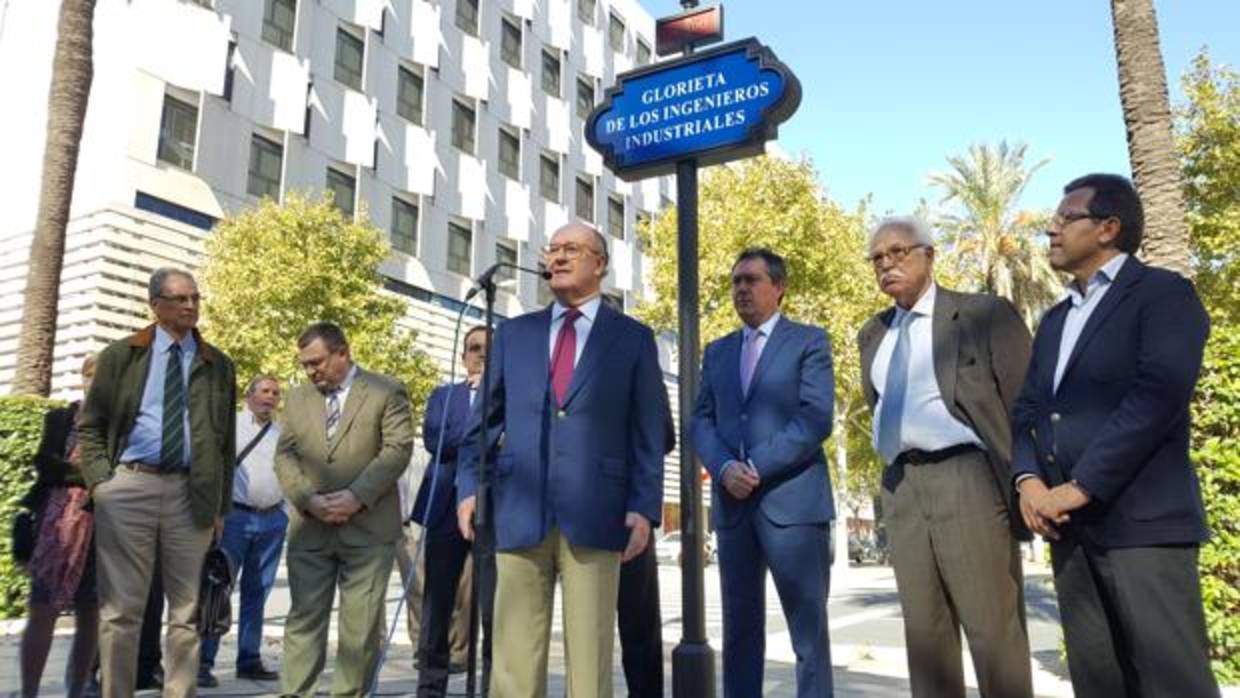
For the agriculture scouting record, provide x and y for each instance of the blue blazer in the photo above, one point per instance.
(1119, 422)
(781, 424)
(582, 467)
(455, 399)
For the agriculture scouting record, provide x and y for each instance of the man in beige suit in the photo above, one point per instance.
(346, 439)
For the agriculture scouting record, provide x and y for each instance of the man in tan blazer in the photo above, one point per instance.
(346, 438)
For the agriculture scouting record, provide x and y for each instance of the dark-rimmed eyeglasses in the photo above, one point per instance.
(895, 254)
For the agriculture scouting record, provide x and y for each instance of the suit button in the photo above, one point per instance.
(1054, 417)
(561, 414)
(1050, 458)
(744, 417)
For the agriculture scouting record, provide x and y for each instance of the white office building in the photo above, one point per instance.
(455, 125)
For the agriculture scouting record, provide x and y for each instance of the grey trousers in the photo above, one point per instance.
(957, 564)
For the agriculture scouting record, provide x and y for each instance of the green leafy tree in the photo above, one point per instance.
(991, 244)
(1209, 130)
(778, 204)
(275, 269)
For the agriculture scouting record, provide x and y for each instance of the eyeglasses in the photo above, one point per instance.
(895, 254)
(570, 250)
(1062, 220)
(193, 298)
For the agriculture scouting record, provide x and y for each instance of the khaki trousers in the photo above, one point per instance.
(362, 575)
(524, 598)
(137, 514)
(458, 632)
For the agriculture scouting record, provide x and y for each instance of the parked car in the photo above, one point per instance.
(667, 548)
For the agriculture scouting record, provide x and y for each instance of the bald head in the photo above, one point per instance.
(577, 260)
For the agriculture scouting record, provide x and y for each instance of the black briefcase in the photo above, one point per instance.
(214, 614)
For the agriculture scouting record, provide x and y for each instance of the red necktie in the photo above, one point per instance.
(564, 355)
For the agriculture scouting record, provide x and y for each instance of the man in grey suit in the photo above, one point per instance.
(941, 370)
(346, 439)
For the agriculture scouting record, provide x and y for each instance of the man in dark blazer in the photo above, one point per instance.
(1101, 433)
(940, 370)
(578, 414)
(763, 411)
(447, 415)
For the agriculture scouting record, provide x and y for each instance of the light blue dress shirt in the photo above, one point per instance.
(1083, 305)
(146, 438)
(584, 323)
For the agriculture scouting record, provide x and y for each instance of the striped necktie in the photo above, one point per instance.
(172, 446)
(333, 413)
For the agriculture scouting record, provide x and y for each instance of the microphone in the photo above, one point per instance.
(487, 278)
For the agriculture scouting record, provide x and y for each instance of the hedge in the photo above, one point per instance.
(1216, 448)
(21, 425)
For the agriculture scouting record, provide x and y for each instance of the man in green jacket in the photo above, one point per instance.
(158, 441)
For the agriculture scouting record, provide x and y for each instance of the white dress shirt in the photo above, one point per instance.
(1082, 307)
(343, 390)
(584, 323)
(926, 423)
(254, 482)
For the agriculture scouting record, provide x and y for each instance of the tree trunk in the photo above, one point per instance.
(72, 71)
(1151, 146)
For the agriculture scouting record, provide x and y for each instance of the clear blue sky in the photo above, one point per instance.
(893, 87)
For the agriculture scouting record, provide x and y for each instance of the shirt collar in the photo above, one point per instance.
(1103, 277)
(348, 380)
(924, 307)
(765, 328)
(163, 342)
(589, 309)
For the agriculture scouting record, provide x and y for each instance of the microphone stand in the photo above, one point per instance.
(484, 527)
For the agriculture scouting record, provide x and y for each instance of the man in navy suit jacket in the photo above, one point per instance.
(443, 430)
(764, 410)
(1100, 456)
(577, 412)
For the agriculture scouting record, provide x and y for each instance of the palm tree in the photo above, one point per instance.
(991, 244)
(72, 71)
(1151, 147)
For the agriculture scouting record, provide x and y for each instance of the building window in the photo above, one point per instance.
(549, 177)
(615, 216)
(404, 226)
(585, 199)
(643, 52)
(460, 248)
(510, 42)
(509, 154)
(585, 97)
(585, 10)
(615, 33)
(551, 72)
(409, 94)
(506, 253)
(463, 120)
(279, 18)
(230, 70)
(349, 50)
(177, 131)
(343, 188)
(265, 163)
(467, 16)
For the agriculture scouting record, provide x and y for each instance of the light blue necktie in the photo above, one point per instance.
(892, 412)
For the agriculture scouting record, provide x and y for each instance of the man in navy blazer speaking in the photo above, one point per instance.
(762, 414)
(1100, 453)
(577, 413)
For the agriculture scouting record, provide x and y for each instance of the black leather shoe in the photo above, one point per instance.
(206, 679)
(151, 681)
(257, 672)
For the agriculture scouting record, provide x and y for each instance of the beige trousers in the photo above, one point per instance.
(524, 598)
(137, 514)
(458, 632)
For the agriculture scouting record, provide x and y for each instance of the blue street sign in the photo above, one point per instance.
(713, 106)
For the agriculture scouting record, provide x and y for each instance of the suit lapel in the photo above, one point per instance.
(1129, 274)
(318, 413)
(945, 338)
(873, 335)
(358, 392)
(731, 366)
(778, 337)
(602, 334)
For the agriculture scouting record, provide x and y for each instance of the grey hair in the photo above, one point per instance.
(910, 224)
(258, 380)
(155, 287)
